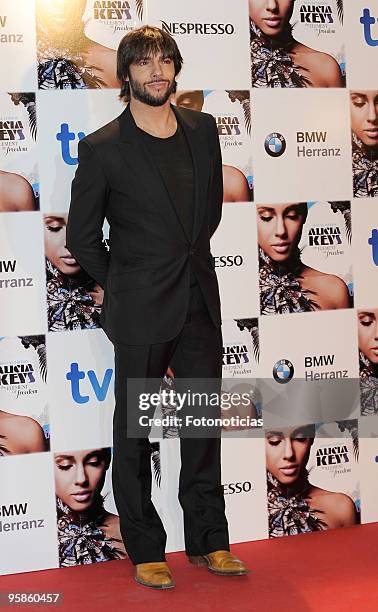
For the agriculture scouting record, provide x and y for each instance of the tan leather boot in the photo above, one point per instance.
(156, 575)
(221, 562)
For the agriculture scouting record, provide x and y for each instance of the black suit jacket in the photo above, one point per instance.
(146, 274)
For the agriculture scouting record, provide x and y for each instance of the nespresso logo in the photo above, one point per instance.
(228, 260)
(237, 487)
(197, 28)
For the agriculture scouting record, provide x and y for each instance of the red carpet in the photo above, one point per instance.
(336, 570)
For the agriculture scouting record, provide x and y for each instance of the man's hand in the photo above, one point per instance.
(97, 294)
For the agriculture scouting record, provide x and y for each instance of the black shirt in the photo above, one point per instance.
(173, 158)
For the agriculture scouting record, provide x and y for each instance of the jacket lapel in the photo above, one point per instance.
(198, 147)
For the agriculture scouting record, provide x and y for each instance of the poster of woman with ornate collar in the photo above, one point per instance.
(87, 531)
(296, 43)
(77, 41)
(19, 177)
(364, 120)
(312, 477)
(304, 256)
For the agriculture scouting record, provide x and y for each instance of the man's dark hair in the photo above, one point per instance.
(140, 43)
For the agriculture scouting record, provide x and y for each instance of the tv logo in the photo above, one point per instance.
(368, 21)
(373, 241)
(64, 137)
(100, 389)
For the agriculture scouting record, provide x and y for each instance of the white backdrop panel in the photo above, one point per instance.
(22, 282)
(245, 508)
(198, 30)
(365, 252)
(319, 169)
(361, 43)
(28, 495)
(314, 349)
(64, 118)
(81, 389)
(234, 247)
(368, 462)
(17, 37)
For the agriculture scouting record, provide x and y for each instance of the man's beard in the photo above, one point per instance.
(143, 96)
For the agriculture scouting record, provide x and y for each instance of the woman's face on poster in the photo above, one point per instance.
(287, 453)
(193, 99)
(271, 16)
(79, 476)
(20, 435)
(368, 333)
(55, 245)
(279, 229)
(364, 116)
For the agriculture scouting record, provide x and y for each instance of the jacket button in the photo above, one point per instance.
(192, 251)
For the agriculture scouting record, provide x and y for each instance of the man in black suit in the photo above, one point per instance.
(155, 173)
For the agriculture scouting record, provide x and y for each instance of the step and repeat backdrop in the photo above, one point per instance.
(294, 90)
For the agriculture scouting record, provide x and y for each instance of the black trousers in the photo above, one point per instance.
(196, 352)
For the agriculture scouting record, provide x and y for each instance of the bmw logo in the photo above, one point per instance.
(283, 371)
(275, 144)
